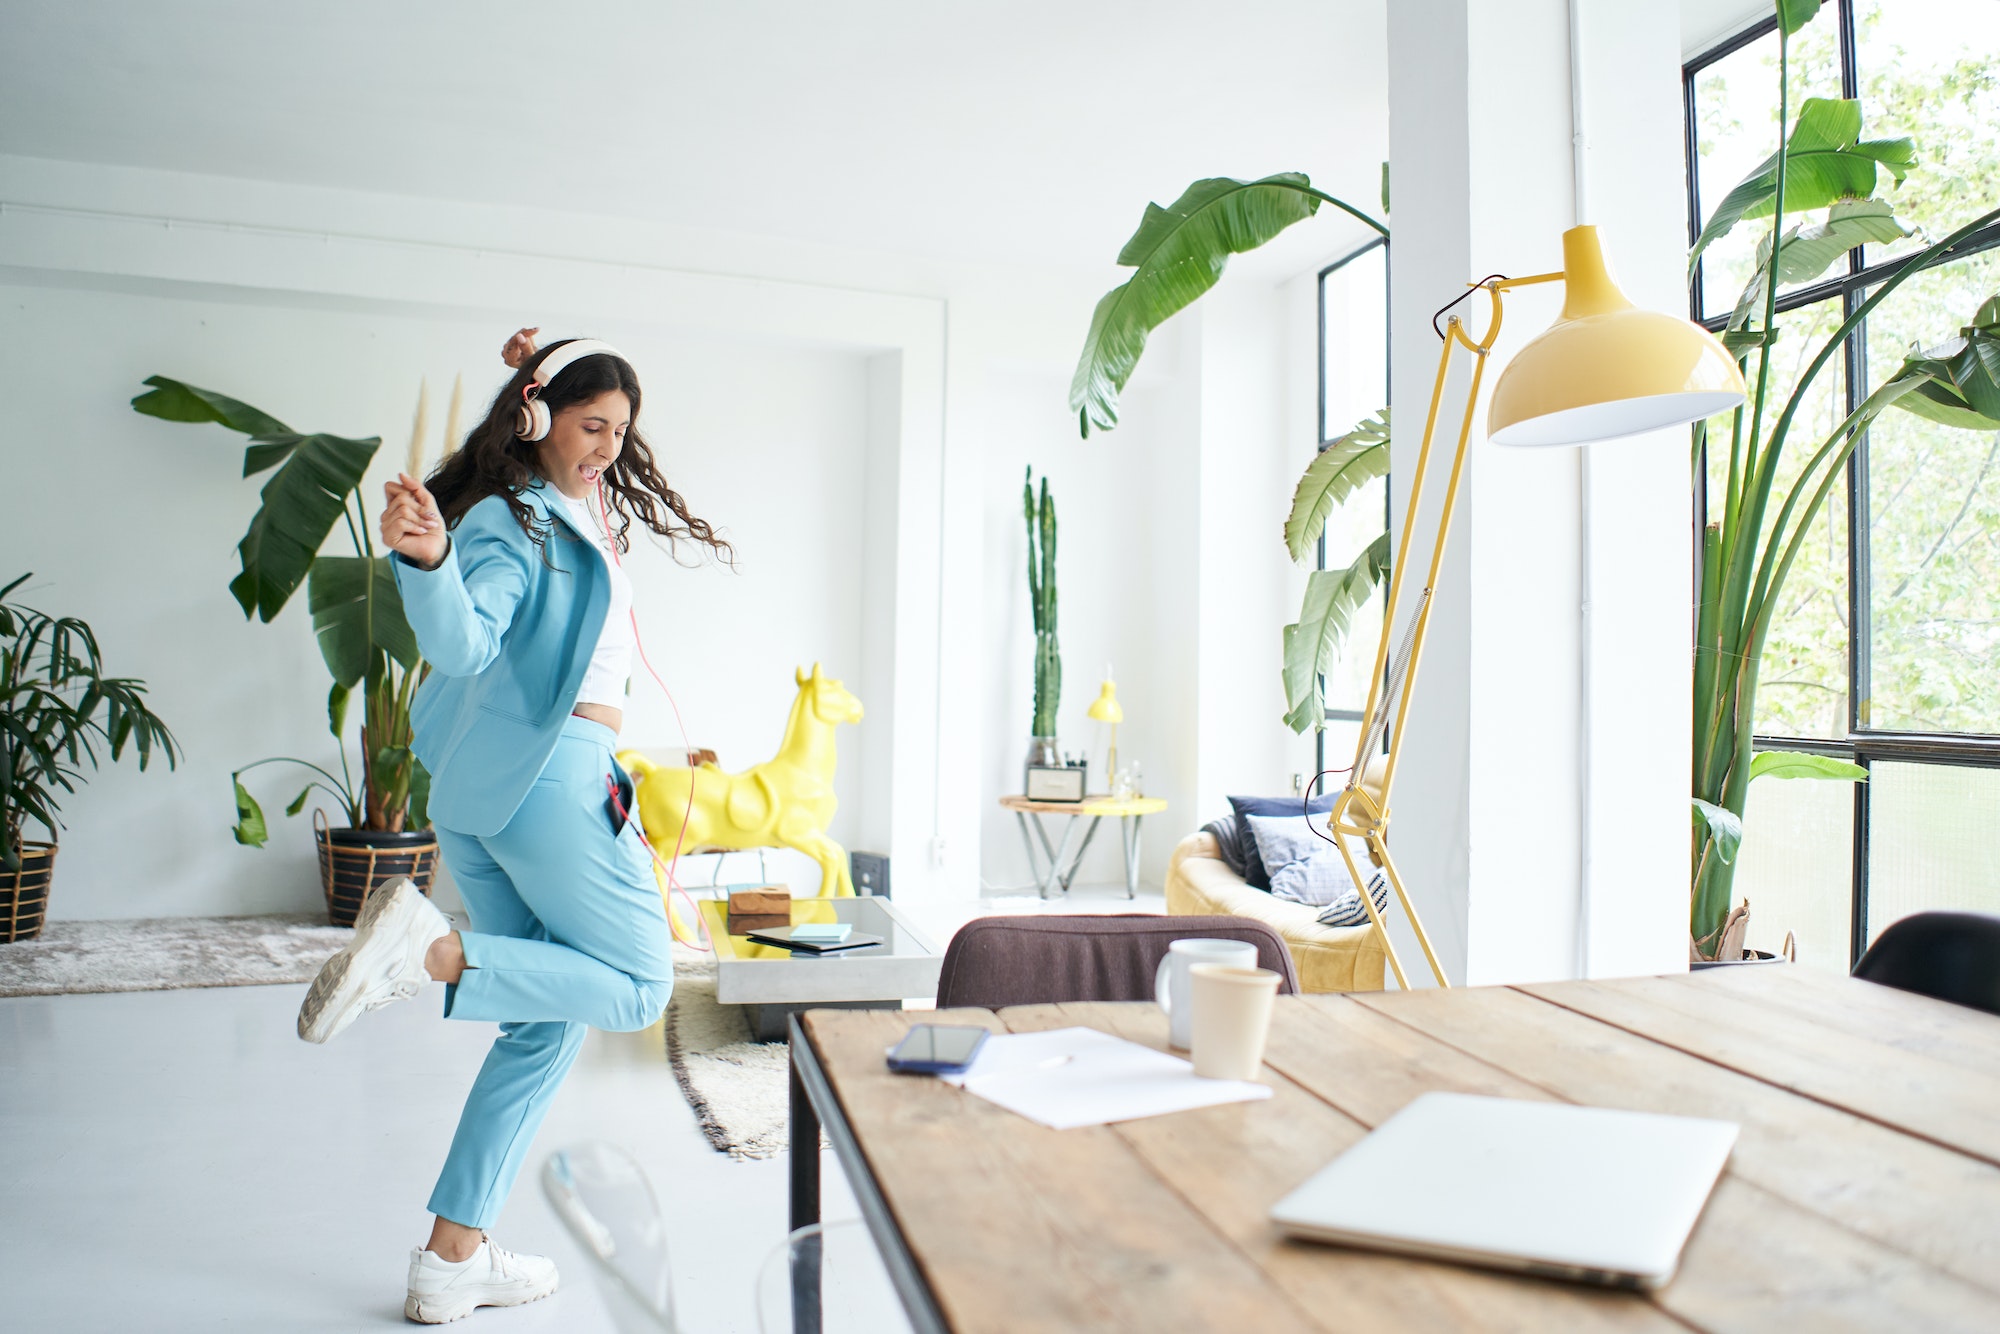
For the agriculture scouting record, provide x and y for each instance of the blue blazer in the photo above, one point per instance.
(508, 637)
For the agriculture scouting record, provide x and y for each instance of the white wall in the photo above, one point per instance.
(428, 287)
(131, 523)
(1491, 798)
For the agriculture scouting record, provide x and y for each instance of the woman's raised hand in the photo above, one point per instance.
(519, 348)
(411, 523)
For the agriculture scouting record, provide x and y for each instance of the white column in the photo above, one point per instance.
(1489, 802)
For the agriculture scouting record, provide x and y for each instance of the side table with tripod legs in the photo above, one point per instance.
(1089, 813)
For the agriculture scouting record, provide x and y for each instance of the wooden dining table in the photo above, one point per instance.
(1863, 1192)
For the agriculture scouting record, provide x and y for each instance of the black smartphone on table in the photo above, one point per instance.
(937, 1049)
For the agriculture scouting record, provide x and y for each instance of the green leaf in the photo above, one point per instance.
(299, 802)
(420, 796)
(1795, 14)
(1725, 828)
(1740, 342)
(1336, 473)
(1385, 189)
(1799, 764)
(249, 830)
(1810, 249)
(1313, 643)
(1964, 385)
(336, 709)
(302, 502)
(1825, 160)
(357, 617)
(1309, 710)
(1179, 252)
(173, 401)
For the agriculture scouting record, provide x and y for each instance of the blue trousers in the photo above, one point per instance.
(568, 933)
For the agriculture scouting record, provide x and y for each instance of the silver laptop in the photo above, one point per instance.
(1547, 1188)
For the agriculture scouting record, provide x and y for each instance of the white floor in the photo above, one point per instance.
(180, 1160)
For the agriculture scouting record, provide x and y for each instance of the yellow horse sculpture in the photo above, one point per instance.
(786, 801)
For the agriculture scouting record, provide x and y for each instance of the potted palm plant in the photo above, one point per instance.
(57, 709)
(1827, 174)
(363, 637)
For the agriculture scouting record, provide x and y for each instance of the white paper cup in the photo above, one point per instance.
(1170, 981)
(1232, 1017)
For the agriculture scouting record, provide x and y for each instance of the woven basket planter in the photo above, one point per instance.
(24, 894)
(354, 863)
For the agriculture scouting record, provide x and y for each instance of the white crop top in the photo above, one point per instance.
(611, 661)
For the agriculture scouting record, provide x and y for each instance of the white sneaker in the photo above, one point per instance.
(441, 1291)
(384, 963)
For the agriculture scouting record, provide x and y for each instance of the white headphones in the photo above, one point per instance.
(531, 420)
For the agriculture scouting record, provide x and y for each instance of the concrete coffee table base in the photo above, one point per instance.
(775, 983)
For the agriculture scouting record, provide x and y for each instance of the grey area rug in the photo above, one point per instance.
(740, 1088)
(168, 953)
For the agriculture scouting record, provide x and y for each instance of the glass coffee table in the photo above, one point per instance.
(771, 982)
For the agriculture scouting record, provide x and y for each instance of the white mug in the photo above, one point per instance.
(1170, 981)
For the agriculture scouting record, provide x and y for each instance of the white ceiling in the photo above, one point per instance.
(1029, 131)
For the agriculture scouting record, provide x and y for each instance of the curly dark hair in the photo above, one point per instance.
(493, 461)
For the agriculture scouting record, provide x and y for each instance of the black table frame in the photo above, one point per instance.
(814, 1105)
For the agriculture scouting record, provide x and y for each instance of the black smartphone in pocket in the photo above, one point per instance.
(618, 805)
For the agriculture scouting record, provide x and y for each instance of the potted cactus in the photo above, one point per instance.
(1041, 515)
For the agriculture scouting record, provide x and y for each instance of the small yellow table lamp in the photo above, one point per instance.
(1106, 709)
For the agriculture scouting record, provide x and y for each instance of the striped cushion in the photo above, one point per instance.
(1348, 910)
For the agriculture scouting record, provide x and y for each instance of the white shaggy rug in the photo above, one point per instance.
(740, 1088)
(168, 953)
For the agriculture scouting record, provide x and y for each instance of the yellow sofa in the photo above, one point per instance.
(1329, 958)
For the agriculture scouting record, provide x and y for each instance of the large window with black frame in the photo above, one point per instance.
(1882, 645)
(1353, 388)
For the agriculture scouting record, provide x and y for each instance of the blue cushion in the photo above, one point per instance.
(1259, 875)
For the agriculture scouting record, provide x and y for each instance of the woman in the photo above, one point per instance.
(512, 585)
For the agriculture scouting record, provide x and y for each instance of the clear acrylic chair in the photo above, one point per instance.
(828, 1279)
(603, 1197)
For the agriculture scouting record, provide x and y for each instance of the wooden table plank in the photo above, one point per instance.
(1964, 1038)
(1019, 1227)
(1935, 1209)
(1757, 1264)
(1913, 1091)
(1235, 1162)
(1830, 1216)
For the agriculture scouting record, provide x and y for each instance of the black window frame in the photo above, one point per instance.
(1367, 247)
(1864, 744)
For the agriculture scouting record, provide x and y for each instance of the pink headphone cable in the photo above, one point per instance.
(701, 941)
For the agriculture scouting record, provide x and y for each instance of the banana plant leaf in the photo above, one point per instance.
(1811, 248)
(357, 614)
(1724, 829)
(1179, 252)
(174, 401)
(1795, 14)
(1963, 388)
(302, 501)
(249, 829)
(1313, 643)
(1340, 469)
(1826, 160)
(1800, 764)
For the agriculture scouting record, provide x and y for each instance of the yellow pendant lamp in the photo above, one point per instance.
(1606, 368)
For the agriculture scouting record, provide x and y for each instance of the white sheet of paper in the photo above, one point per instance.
(1071, 1077)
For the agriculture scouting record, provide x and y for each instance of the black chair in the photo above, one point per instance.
(1952, 956)
(1044, 960)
